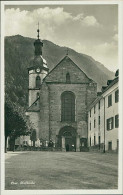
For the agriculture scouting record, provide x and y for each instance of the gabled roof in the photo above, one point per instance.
(94, 102)
(111, 84)
(68, 58)
(35, 107)
(101, 94)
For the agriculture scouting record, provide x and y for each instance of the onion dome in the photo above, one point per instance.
(38, 60)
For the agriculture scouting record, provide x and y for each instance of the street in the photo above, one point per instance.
(60, 170)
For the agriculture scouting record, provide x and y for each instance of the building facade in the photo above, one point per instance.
(58, 102)
(111, 99)
(96, 124)
(103, 118)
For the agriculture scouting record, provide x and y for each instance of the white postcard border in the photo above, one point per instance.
(120, 53)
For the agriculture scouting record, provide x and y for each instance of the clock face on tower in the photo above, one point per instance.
(38, 70)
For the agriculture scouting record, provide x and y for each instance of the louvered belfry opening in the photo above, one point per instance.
(38, 81)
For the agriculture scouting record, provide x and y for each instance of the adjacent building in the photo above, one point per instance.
(103, 118)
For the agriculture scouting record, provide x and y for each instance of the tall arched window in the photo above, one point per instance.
(68, 78)
(68, 106)
(38, 81)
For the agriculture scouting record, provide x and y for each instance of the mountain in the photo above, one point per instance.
(19, 51)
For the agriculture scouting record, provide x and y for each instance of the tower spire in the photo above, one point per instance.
(38, 30)
(38, 44)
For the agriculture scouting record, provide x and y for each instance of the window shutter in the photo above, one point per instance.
(110, 100)
(107, 124)
(116, 121)
(116, 96)
(112, 122)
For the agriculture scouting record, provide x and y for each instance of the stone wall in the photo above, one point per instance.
(35, 120)
(33, 96)
(48, 122)
(98, 130)
(32, 84)
(50, 98)
(44, 112)
(58, 74)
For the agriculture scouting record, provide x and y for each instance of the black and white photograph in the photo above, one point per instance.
(61, 97)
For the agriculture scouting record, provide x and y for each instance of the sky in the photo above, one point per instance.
(88, 29)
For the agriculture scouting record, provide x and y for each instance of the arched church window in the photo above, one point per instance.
(38, 81)
(68, 78)
(68, 106)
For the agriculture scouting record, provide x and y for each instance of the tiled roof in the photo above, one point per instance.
(100, 96)
(94, 102)
(111, 84)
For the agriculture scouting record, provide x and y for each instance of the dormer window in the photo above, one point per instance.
(38, 81)
(68, 78)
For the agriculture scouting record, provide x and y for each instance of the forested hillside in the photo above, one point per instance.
(19, 51)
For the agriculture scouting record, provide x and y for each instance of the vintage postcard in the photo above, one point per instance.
(61, 97)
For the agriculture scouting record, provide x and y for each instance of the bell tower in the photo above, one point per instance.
(37, 71)
(38, 44)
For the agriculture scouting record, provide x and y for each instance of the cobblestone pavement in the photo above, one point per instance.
(60, 170)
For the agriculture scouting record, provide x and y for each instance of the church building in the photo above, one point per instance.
(58, 101)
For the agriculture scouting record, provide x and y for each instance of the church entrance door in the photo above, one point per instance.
(70, 143)
(68, 135)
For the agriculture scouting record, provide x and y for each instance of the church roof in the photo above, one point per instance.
(67, 59)
(35, 106)
(38, 61)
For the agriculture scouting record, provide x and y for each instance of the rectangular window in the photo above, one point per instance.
(99, 105)
(90, 113)
(94, 123)
(116, 96)
(94, 109)
(90, 125)
(99, 141)
(90, 141)
(117, 121)
(110, 123)
(99, 120)
(94, 140)
(110, 100)
(117, 144)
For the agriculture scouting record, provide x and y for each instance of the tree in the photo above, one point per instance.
(16, 123)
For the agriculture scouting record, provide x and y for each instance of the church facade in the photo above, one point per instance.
(58, 101)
